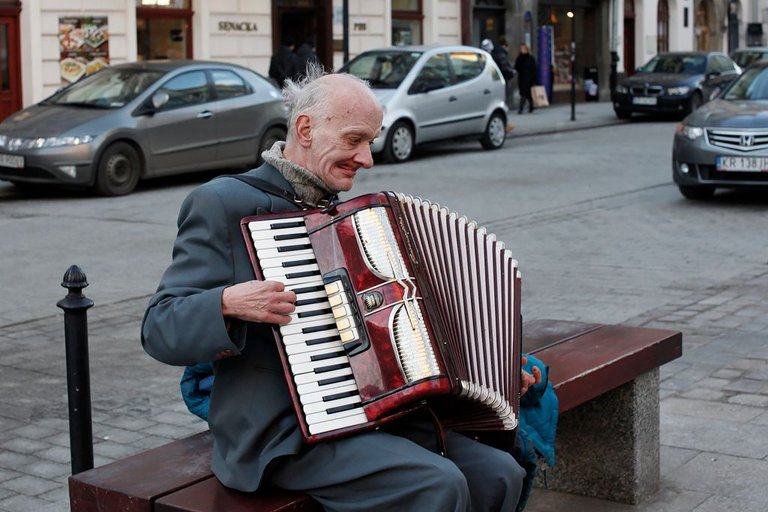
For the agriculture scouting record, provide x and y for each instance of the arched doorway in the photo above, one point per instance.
(662, 26)
(304, 20)
(629, 37)
(705, 29)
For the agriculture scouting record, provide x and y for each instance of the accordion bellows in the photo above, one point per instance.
(401, 304)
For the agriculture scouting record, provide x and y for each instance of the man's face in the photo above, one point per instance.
(341, 140)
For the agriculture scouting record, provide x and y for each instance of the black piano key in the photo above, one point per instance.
(317, 328)
(336, 396)
(298, 263)
(286, 225)
(309, 289)
(304, 302)
(292, 236)
(334, 380)
(289, 248)
(317, 312)
(341, 408)
(332, 367)
(306, 273)
(324, 339)
(329, 355)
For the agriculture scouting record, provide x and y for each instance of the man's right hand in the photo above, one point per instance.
(258, 301)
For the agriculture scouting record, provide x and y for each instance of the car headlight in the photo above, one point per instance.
(678, 91)
(622, 89)
(16, 143)
(692, 132)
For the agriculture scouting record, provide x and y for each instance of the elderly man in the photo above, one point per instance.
(209, 307)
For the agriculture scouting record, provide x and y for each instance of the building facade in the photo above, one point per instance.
(47, 44)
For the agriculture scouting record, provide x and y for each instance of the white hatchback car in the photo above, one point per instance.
(432, 93)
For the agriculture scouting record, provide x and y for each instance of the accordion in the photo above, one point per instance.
(400, 304)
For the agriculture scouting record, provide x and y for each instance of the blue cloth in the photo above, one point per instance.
(196, 384)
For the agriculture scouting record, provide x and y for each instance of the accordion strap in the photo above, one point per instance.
(273, 189)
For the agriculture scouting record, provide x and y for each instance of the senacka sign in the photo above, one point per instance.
(237, 26)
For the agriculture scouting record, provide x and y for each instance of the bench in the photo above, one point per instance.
(606, 377)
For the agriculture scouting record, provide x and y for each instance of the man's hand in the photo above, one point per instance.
(528, 380)
(258, 301)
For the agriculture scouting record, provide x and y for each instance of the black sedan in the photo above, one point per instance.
(725, 142)
(674, 83)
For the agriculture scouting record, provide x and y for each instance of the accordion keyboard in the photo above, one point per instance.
(320, 324)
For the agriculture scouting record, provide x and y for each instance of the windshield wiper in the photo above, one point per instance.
(81, 104)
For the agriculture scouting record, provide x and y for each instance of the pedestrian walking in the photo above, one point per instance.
(500, 54)
(284, 64)
(525, 65)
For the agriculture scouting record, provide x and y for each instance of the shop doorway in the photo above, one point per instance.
(303, 20)
(629, 37)
(10, 62)
(705, 27)
(488, 23)
(163, 33)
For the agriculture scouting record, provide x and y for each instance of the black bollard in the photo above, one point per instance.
(75, 306)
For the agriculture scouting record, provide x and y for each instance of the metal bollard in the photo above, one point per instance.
(75, 306)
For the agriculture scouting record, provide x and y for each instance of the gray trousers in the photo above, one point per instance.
(399, 470)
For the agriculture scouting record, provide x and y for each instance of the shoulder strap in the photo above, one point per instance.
(269, 188)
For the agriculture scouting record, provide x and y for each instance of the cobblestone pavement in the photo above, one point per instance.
(714, 414)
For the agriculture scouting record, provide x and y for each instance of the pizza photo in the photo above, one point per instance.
(71, 40)
(72, 69)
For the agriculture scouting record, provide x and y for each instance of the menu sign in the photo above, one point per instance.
(83, 47)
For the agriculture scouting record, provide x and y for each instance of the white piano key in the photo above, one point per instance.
(315, 387)
(305, 357)
(281, 273)
(323, 406)
(339, 387)
(305, 378)
(310, 320)
(272, 234)
(267, 224)
(266, 244)
(290, 337)
(298, 327)
(301, 348)
(323, 422)
(282, 259)
(312, 366)
(268, 253)
(315, 306)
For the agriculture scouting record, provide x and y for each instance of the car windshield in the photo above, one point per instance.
(108, 88)
(674, 63)
(751, 85)
(747, 57)
(384, 69)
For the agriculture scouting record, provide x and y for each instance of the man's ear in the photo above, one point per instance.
(304, 130)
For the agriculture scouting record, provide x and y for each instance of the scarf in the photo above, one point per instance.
(311, 189)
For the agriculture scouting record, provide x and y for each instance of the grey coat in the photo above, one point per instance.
(250, 416)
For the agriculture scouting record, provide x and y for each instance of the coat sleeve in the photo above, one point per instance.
(184, 324)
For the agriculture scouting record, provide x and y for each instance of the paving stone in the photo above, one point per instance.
(30, 485)
(747, 399)
(725, 476)
(709, 410)
(715, 436)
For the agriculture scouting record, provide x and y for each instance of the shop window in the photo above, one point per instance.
(406, 22)
(163, 29)
(186, 90)
(228, 85)
(467, 65)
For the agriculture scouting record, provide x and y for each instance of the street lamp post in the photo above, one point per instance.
(572, 15)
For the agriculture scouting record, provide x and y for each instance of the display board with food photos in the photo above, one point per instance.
(83, 47)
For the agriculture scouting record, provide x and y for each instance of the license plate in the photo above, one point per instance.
(742, 163)
(15, 161)
(643, 101)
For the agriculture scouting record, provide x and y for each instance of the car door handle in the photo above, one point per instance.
(486, 92)
(205, 114)
(452, 98)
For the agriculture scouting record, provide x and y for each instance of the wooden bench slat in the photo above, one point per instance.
(603, 359)
(209, 495)
(133, 483)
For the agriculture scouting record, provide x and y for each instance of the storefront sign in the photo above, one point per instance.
(83, 47)
(238, 26)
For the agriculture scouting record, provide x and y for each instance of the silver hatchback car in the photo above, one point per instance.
(133, 121)
(432, 93)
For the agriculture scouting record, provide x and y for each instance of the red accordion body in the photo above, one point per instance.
(399, 303)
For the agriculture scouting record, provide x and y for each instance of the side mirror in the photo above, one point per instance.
(159, 99)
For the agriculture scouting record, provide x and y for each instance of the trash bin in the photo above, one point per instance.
(591, 87)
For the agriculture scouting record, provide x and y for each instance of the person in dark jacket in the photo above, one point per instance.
(500, 54)
(525, 65)
(306, 55)
(208, 307)
(284, 64)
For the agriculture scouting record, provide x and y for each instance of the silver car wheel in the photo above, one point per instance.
(495, 132)
(401, 142)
